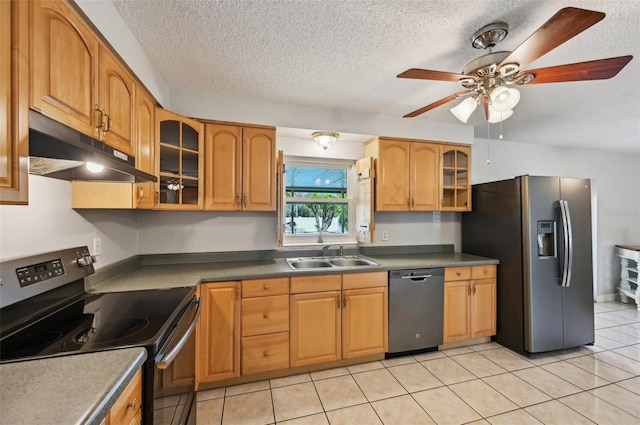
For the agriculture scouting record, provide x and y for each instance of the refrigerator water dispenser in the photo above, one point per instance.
(546, 238)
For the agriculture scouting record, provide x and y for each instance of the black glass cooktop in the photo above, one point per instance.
(101, 321)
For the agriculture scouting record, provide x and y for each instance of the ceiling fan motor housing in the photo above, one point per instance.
(489, 35)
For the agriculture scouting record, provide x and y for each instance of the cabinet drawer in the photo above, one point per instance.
(128, 404)
(457, 273)
(302, 284)
(483, 272)
(265, 315)
(364, 280)
(265, 352)
(265, 287)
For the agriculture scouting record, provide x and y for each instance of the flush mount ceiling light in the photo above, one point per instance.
(490, 78)
(325, 138)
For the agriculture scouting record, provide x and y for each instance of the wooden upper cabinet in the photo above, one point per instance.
(76, 80)
(223, 167)
(180, 163)
(239, 168)
(407, 174)
(144, 142)
(64, 64)
(425, 176)
(392, 190)
(259, 169)
(117, 100)
(14, 100)
(456, 178)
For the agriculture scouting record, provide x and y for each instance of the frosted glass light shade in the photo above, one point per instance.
(504, 99)
(464, 109)
(325, 139)
(495, 116)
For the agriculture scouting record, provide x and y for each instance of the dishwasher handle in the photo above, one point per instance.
(417, 278)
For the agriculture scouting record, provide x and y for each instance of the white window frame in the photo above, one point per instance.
(295, 239)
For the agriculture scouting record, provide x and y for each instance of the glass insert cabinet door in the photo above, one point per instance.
(180, 163)
(456, 178)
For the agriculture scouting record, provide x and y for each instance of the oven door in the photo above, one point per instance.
(174, 373)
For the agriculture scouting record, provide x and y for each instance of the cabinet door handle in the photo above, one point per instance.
(101, 120)
(265, 315)
(408, 204)
(339, 303)
(469, 289)
(474, 288)
(237, 293)
(133, 403)
(265, 354)
(344, 302)
(140, 193)
(108, 126)
(238, 200)
(156, 198)
(244, 201)
(413, 202)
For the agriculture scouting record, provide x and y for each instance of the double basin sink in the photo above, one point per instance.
(326, 262)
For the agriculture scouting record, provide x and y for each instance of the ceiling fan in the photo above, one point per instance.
(490, 79)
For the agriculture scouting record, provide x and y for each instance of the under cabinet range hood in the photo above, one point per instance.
(58, 151)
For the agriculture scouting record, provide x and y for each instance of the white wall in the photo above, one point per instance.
(615, 182)
(48, 223)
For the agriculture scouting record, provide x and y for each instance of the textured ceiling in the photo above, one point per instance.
(345, 55)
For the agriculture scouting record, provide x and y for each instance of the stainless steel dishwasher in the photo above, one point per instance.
(416, 305)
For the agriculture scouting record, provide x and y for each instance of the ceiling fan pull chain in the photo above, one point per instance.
(488, 144)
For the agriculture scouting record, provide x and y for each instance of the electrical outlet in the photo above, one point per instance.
(385, 235)
(97, 248)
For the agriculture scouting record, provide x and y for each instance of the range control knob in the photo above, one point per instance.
(86, 260)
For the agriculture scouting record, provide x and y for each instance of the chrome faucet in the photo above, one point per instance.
(324, 250)
(340, 252)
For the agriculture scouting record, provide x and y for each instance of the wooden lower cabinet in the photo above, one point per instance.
(261, 325)
(333, 325)
(315, 327)
(469, 302)
(265, 325)
(127, 410)
(218, 332)
(364, 322)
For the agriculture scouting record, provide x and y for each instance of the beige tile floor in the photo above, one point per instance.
(480, 384)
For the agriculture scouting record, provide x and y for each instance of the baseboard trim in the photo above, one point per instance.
(606, 297)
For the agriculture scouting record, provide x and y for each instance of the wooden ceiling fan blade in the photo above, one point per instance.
(435, 104)
(601, 69)
(426, 74)
(563, 26)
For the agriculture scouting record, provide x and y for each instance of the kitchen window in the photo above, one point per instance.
(319, 206)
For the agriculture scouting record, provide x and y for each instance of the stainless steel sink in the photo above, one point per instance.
(351, 262)
(324, 262)
(301, 263)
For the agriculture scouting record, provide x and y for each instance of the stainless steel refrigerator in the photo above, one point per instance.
(540, 230)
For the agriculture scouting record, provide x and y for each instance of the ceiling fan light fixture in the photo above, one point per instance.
(495, 116)
(464, 109)
(325, 138)
(504, 99)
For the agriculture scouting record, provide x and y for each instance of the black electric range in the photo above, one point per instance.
(45, 312)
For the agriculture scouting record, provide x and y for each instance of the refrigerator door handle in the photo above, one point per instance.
(565, 246)
(570, 238)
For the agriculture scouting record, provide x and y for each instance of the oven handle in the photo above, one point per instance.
(163, 360)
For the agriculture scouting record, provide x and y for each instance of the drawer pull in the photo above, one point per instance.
(265, 315)
(133, 404)
(485, 271)
(265, 287)
(265, 354)
(458, 274)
